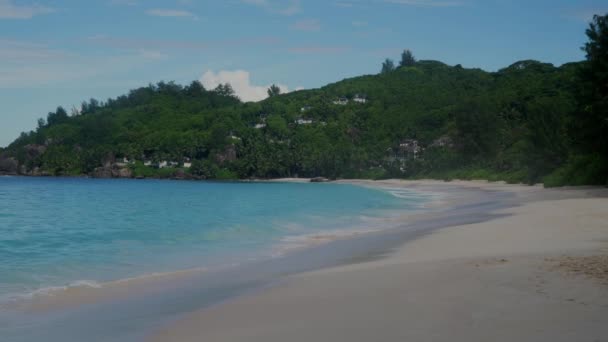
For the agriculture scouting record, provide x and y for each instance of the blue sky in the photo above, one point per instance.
(64, 51)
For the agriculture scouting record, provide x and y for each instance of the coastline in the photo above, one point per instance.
(519, 274)
(112, 310)
(169, 306)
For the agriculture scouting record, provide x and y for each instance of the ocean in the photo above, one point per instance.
(58, 233)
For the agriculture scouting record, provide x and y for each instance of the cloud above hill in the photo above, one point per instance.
(240, 80)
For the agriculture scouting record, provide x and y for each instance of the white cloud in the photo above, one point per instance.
(426, 3)
(27, 64)
(19, 51)
(123, 2)
(162, 12)
(256, 2)
(307, 25)
(318, 49)
(152, 55)
(9, 10)
(287, 8)
(240, 81)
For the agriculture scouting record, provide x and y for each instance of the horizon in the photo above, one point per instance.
(45, 63)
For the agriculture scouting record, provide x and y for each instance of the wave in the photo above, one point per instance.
(85, 290)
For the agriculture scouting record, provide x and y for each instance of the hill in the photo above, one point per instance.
(424, 120)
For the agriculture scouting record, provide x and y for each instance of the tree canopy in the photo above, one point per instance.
(407, 59)
(274, 90)
(529, 122)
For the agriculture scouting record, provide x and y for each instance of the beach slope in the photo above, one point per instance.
(537, 274)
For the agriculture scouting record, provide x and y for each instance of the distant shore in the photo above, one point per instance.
(537, 271)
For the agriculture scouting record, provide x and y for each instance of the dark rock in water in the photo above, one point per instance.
(112, 170)
(319, 180)
(181, 175)
(122, 173)
(35, 172)
(102, 172)
(9, 166)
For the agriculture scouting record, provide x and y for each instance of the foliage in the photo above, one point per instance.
(407, 59)
(387, 66)
(529, 122)
(274, 90)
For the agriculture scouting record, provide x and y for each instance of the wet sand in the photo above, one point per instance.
(533, 272)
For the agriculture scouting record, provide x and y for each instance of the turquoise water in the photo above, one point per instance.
(56, 232)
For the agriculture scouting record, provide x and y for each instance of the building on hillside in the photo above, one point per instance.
(360, 98)
(233, 136)
(165, 164)
(303, 121)
(305, 109)
(443, 141)
(410, 148)
(340, 101)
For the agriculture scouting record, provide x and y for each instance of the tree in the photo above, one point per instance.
(592, 123)
(41, 123)
(387, 66)
(57, 117)
(590, 126)
(195, 88)
(224, 90)
(274, 90)
(477, 129)
(407, 59)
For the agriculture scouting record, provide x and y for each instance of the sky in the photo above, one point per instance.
(61, 52)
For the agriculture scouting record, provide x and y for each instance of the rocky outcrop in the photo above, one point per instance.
(33, 151)
(8, 166)
(228, 155)
(112, 170)
(319, 180)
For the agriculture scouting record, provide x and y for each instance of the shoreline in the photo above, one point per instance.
(166, 299)
(519, 275)
(182, 297)
(82, 291)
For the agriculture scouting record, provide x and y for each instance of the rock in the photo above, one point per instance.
(112, 171)
(9, 166)
(228, 155)
(34, 150)
(122, 173)
(181, 175)
(319, 180)
(102, 172)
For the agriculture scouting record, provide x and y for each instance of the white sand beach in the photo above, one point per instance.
(537, 272)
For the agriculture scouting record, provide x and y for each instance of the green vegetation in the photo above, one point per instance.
(530, 122)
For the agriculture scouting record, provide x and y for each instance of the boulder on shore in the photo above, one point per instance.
(9, 166)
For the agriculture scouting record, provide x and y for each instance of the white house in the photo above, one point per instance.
(302, 121)
(147, 163)
(360, 98)
(259, 125)
(187, 165)
(410, 147)
(341, 101)
(305, 109)
(163, 164)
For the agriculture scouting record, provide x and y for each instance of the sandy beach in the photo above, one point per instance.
(537, 271)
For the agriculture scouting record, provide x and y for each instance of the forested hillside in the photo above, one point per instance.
(529, 122)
